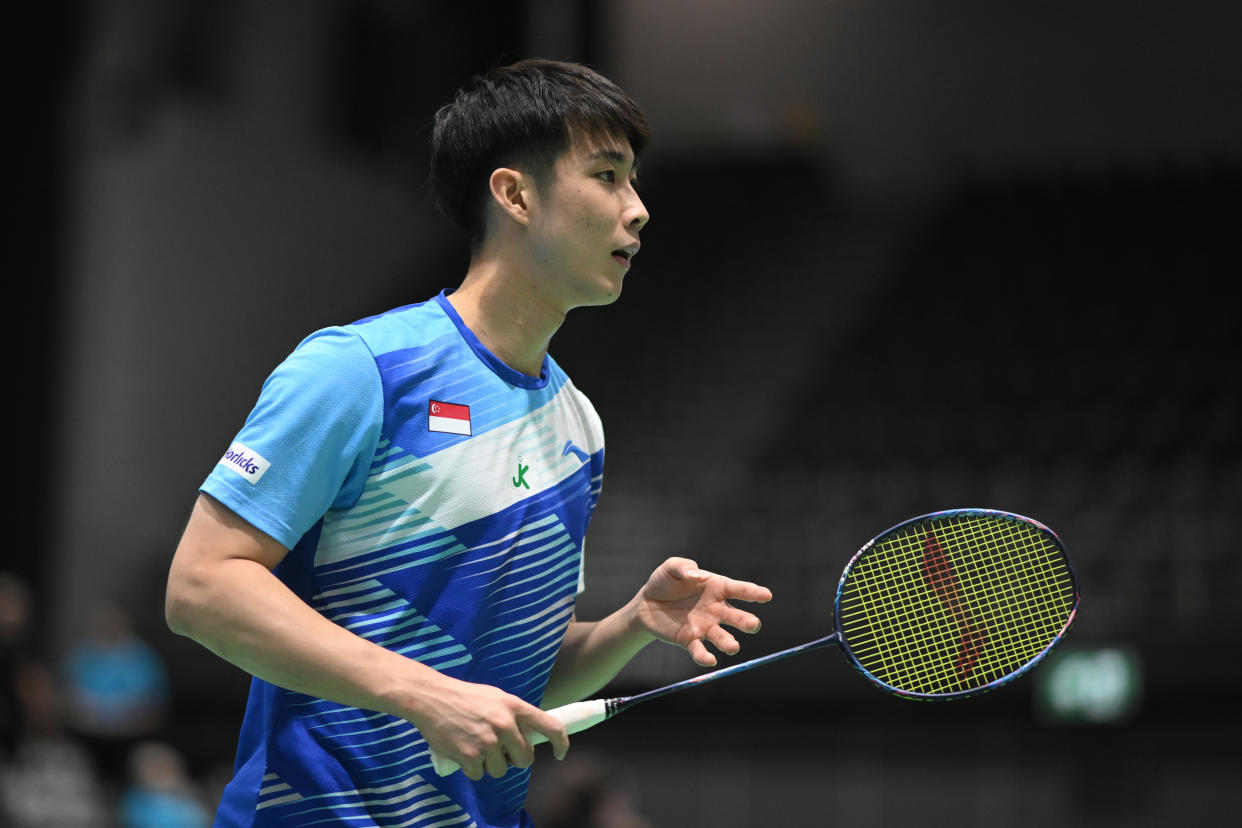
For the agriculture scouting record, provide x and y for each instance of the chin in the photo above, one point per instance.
(610, 297)
(598, 295)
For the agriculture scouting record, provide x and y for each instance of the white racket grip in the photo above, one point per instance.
(575, 717)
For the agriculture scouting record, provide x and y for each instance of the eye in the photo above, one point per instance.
(608, 175)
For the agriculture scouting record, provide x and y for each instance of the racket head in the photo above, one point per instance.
(955, 603)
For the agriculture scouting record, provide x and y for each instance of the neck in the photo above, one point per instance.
(507, 314)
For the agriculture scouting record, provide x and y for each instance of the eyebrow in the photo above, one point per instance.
(612, 154)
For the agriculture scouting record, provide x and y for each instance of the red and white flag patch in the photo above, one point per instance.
(449, 418)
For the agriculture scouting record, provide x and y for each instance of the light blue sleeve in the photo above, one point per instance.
(308, 444)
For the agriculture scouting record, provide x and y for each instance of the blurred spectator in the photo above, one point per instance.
(582, 793)
(117, 689)
(16, 660)
(50, 781)
(161, 793)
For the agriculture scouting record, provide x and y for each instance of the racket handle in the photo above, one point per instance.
(575, 717)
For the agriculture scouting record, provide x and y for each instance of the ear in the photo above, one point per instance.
(511, 190)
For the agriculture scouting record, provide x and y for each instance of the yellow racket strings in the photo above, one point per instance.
(955, 603)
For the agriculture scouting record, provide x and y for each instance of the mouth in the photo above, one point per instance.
(623, 255)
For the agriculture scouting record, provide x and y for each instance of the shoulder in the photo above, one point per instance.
(335, 345)
(350, 353)
(403, 328)
(331, 361)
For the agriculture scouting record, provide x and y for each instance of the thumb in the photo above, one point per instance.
(685, 569)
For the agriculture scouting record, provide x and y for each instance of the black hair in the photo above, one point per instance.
(523, 115)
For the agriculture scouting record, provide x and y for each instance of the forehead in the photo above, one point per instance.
(586, 149)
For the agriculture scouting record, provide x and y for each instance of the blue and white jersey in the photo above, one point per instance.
(435, 501)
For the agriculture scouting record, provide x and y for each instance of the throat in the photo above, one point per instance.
(507, 329)
(528, 361)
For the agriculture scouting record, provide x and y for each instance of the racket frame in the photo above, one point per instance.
(843, 642)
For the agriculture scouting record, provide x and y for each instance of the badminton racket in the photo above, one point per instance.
(942, 606)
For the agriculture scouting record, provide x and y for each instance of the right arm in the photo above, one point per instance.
(222, 593)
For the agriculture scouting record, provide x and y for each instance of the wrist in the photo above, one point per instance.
(410, 690)
(636, 622)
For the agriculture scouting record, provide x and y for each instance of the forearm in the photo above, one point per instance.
(592, 654)
(244, 614)
(680, 604)
(223, 594)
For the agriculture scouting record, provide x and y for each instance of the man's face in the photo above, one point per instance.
(586, 229)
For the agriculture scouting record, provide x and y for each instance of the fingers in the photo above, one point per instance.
(496, 763)
(747, 622)
(509, 749)
(474, 769)
(516, 750)
(549, 727)
(483, 761)
(722, 640)
(701, 655)
(684, 569)
(513, 749)
(747, 591)
(501, 734)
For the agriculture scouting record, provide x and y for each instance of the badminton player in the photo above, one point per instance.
(392, 545)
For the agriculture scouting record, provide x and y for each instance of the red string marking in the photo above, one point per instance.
(938, 573)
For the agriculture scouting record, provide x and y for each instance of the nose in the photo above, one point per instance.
(637, 212)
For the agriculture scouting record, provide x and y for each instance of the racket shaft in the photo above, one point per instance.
(575, 717)
(624, 704)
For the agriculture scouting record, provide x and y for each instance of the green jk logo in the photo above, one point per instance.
(520, 480)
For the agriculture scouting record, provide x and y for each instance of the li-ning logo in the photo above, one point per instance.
(248, 463)
(577, 452)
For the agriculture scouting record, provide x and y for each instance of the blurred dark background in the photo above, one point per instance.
(902, 258)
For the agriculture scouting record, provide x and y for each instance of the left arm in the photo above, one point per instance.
(680, 604)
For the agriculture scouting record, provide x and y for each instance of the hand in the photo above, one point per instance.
(684, 605)
(485, 730)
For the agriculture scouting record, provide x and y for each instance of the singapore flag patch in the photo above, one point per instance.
(449, 418)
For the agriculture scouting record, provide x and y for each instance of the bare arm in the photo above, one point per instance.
(223, 594)
(680, 604)
(592, 653)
